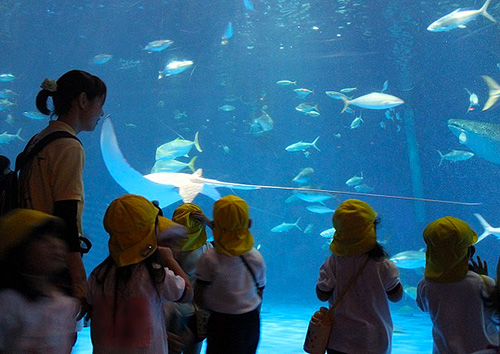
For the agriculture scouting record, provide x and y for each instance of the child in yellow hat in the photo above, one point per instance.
(453, 294)
(127, 291)
(181, 317)
(34, 315)
(230, 279)
(362, 321)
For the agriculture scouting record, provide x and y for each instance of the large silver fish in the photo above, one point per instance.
(410, 259)
(374, 100)
(459, 18)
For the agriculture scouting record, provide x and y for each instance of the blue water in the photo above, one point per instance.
(282, 331)
(323, 45)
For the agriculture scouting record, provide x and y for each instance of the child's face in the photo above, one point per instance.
(46, 255)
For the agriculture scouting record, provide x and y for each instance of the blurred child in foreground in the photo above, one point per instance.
(181, 317)
(35, 317)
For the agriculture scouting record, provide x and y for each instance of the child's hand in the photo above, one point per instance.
(201, 218)
(480, 267)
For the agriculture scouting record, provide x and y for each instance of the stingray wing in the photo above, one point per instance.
(126, 176)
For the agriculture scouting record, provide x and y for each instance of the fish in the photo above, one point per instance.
(130, 125)
(347, 90)
(355, 180)
(383, 125)
(386, 86)
(6, 138)
(6, 105)
(35, 115)
(7, 77)
(473, 101)
(410, 259)
(302, 146)
(309, 229)
(336, 95)
(286, 82)
(356, 122)
(164, 165)
(455, 155)
(6, 94)
(482, 138)
(262, 124)
(328, 233)
(227, 108)
(493, 94)
(303, 176)
(176, 148)
(166, 187)
(158, 46)
(302, 92)
(374, 100)
(488, 229)
(178, 114)
(310, 197)
(286, 227)
(313, 114)
(459, 18)
(363, 188)
(304, 108)
(101, 59)
(319, 209)
(248, 5)
(228, 32)
(175, 67)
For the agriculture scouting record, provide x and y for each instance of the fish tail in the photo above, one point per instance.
(485, 13)
(314, 144)
(295, 83)
(442, 158)
(18, 134)
(346, 103)
(191, 163)
(197, 143)
(487, 227)
(494, 90)
(297, 224)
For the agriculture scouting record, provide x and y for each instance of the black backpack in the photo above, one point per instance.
(9, 182)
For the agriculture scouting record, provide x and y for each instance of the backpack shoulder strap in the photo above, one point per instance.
(27, 155)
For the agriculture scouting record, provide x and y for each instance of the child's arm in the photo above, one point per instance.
(395, 294)
(167, 259)
(323, 295)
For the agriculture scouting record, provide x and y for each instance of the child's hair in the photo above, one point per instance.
(69, 86)
(377, 253)
(12, 267)
(123, 274)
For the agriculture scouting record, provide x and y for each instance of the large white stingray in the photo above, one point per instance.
(170, 187)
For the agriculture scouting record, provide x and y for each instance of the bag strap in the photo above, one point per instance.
(348, 288)
(28, 153)
(251, 272)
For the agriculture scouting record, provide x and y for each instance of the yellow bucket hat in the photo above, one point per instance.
(131, 221)
(355, 234)
(231, 221)
(448, 240)
(197, 236)
(17, 225)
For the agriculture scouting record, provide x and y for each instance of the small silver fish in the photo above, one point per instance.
(455, 155)
(348, 89)
(158, 46)
(285, 227)
(319, 209)
(101, 59)
(302, 146)
(6, 138)
(363, 188)
(227, 108)
(286, 82)
(7, 77)
(303, 176)
(35, 115)
(355, 180)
